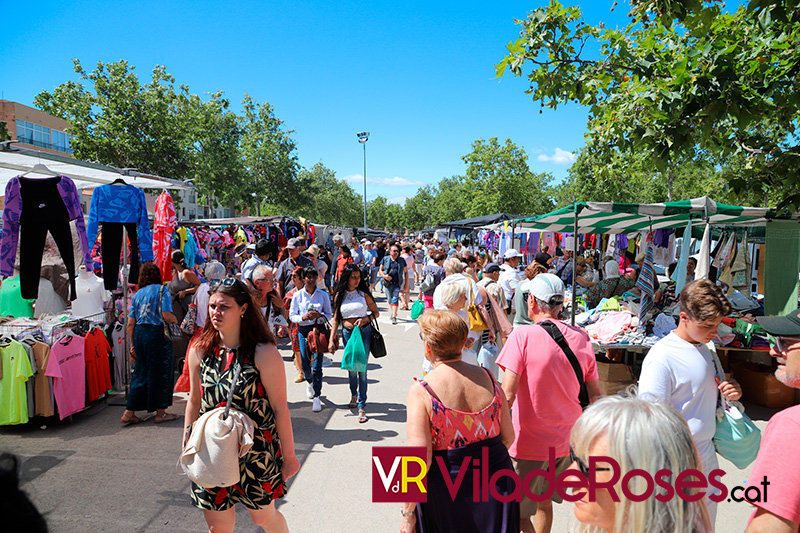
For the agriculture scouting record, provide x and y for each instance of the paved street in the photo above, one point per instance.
(89, 474)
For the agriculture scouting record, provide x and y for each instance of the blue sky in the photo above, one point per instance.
(419, 76)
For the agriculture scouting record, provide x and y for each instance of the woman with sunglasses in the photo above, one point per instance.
(458, 413)
(310, 306)
(637, 434)
(352, 306)
(237, 338)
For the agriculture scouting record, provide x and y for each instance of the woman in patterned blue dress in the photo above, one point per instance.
(237, 334)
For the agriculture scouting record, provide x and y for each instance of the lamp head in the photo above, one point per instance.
(363, 136)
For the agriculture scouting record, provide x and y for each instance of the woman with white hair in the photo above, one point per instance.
(638, 435)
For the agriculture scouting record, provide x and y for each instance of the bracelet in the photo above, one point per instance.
(406, 514)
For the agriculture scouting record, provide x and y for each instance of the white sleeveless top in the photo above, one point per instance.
(354, 305)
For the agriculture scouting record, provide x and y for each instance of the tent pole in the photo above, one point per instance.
(574, 262)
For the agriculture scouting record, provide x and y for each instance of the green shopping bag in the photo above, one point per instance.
(355, 357)
(417, 309)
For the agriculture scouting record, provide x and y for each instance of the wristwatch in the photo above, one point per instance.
(406, 514)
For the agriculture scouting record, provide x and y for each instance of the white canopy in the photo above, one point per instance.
(16, 161)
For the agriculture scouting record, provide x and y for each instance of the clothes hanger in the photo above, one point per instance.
(40, 168)
(118, 181)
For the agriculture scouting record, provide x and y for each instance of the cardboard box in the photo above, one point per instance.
(614, 372)
(761, 387)
(611, 388)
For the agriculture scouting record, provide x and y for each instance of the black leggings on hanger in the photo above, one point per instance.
(111, 246)
(43, 210)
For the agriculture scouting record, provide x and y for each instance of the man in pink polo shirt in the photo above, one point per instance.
(779, 508)
(542, 387)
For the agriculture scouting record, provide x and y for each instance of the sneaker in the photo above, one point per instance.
(353, 401)
(317, 407)
(309, 390)
(326, 361)
(394, 320)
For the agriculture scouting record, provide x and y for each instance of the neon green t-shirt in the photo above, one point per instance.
(13, 394)
(11, 301)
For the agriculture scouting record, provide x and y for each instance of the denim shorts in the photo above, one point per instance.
(392, 293)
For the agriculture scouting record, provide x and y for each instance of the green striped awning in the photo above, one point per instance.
(610, 217)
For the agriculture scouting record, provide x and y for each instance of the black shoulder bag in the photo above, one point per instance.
(555, 333)
(561, 270)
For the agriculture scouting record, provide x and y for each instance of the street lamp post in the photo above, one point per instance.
(363, 136)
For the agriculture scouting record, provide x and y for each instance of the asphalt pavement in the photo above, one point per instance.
(88, 473)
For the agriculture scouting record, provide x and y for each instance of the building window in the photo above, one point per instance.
(42, 136)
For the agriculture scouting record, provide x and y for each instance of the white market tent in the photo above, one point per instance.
(16, 161)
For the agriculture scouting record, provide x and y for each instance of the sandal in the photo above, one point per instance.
(353, 402)
(299, 378)
(128, 420)
(362, 416)
(168, 417)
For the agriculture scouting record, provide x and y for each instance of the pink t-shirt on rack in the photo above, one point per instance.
(67, 367)
(546, 405)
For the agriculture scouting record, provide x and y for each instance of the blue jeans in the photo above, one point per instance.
(358, 380)
(310, 360)
(392, 293)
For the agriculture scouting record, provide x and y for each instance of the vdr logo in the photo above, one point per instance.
(399, 474)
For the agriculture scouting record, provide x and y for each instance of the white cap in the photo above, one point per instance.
(511, 252)
(545, 286)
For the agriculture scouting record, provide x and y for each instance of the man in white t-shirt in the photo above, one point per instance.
(510, 275)
(680, 370)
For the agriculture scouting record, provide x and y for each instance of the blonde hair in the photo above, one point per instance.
(445, 332)
(452, 266)
(650, 436)
(451, 293)
(534, 269)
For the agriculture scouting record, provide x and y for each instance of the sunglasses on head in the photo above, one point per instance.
(583, 467)
(227, 282)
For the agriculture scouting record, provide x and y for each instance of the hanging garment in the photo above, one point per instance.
(16, 369)
(111, 248)
(42, 393)
(120, 355)
(98, 373)
(190, 250)
(704, 259)
(67, 368)
(682, 269)
(29, 383)
(11, 301)
(740, 270)
(32, 208)
(164, 224)
(121, 203)
(647, 284)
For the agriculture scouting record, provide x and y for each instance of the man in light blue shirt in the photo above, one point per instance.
(370, 258)
(260, 257)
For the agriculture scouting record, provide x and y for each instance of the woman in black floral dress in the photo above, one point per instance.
(238, 335)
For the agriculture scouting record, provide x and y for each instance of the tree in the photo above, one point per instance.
(330, 201)
(682, 78)
(154, 128)
(418, 211)
(376, 212)
(4, 135)
(498, 180)
(269, 159)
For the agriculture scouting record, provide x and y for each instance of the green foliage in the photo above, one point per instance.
(683, 77)
(328, 199)
(4, 135)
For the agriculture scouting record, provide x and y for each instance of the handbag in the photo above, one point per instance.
(417, 308)
(428, 283)
(189, 321)
(377, 345)
(737, 438)
(172, 332)
(210, 456)
(555, 333)
(319, 337)
(476, 321)
(355, 356)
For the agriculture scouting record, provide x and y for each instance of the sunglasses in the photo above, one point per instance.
(583, 467)
(782, 344)
(227, 282)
